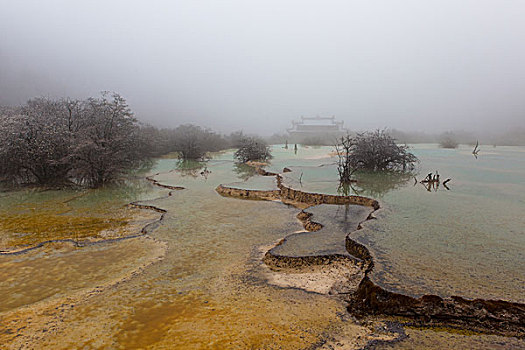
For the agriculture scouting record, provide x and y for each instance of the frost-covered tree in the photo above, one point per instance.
(89, 142)
(51, 142)
(252, 149)
(37, 142)
(109, 142)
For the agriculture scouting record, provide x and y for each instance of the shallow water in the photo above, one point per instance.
(466, 241)
(32, 216)
(337, 221)
(209, 290)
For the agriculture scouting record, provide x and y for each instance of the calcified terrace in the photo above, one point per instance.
(90, 241)
(367, 298)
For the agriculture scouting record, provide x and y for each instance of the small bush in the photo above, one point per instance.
(252, 149)
(193, 142)
(448, 140)
(375, 151)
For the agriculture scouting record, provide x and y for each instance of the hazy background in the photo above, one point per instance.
(256, 65)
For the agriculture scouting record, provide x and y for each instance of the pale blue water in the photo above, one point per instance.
(469, 240)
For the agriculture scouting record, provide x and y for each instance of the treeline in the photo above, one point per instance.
(90, 142)
(319, 139)
(448, 139)
(189, 141)
(452, 139)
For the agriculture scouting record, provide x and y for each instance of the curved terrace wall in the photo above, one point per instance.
(491, 316)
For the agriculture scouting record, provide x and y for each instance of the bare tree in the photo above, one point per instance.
(373, 150)
(345, 167)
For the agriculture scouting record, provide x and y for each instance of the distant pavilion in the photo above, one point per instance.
(316, 126)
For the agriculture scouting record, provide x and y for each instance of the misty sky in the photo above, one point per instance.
(256, 65)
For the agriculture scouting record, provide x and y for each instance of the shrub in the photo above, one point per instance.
(372, 150)
(193, 142)
(448, 140)
(252, 149)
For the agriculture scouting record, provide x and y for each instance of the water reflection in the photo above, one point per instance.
(243, 171)
(375, 184)
(434, 186)
(192, 168)
(431, 182)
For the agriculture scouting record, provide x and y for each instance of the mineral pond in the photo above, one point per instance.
(211, 256)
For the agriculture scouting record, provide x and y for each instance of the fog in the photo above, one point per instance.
(256, 65)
